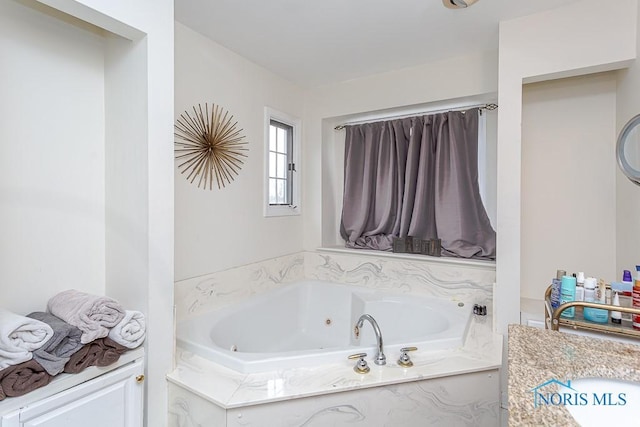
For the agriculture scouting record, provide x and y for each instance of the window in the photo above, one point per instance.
(281, 165)
(282, 154)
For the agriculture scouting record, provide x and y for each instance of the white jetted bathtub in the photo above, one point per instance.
(312, 322)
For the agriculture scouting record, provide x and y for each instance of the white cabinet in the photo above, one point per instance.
(114, 399)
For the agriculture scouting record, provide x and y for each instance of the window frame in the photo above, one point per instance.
(294, 181)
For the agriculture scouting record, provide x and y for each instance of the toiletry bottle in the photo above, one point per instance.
(580, 286)
(555, 289)
(636, 299)
(616, 316)
(602, 292)
(590, 290)
(627, 281)
(595, 292)
(625, 294)
(568, 293)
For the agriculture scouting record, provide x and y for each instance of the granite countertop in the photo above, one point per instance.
(538, 355)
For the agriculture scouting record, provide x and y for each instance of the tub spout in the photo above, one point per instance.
(380, 358)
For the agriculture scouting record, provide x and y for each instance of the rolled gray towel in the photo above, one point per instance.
(93, 315)
(55, 353)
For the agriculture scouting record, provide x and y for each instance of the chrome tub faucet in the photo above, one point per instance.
(380, 358)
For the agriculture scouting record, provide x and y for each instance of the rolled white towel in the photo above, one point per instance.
(19, 337)
(131, 330)
(94, 315)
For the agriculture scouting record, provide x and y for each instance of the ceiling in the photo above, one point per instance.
(328, 41)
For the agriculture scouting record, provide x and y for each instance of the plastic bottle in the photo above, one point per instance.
(636, 299)
(616, 316)
(568, 293)
(625, 294)
(594, 293)
(626, 278)
(602, 292)
(555, 289)
(590, 290)
(580, 286)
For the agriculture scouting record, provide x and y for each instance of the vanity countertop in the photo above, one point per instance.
(538, 355)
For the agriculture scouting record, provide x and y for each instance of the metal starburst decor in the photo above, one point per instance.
(210, 145)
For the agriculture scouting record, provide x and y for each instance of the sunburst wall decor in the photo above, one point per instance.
(210, 144)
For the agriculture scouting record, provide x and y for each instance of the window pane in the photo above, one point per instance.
(282, 141)
(280, 179)
(282, 166)
(280, 188)
(272, 165)
(272, 138)
(272, 192)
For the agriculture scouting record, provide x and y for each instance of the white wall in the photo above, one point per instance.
(428, 86)
(126, 170)
(222, 228)
(140, 101)
(581, 38)
(51, 158)
(568, 180)
(149, 62)
(627, 194)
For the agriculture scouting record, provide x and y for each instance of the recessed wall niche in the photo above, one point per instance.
(73, 164)
(568, 196)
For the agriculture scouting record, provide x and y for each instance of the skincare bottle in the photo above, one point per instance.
(602, 291)
(625, 295)
(580, 286)
(595, 293)
(568, 294)
(626, 279)
(555, 289)
(590, 290)
(636, 299)
(616, 316)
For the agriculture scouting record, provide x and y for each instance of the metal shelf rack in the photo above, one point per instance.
(554, 321)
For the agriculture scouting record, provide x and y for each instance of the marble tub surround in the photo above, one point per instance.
(539, 355)
(468, 281)
(230, 389)
(471, 281)
(221, 289)
(452, 387)
(460, 400)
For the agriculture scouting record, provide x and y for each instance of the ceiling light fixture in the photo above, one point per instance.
(458, 4)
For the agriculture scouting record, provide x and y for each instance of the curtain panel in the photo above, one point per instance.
(416, 176)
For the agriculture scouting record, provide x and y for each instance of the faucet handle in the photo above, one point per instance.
(405, 360)
(361, 365)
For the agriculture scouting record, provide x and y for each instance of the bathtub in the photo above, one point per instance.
(311, 322)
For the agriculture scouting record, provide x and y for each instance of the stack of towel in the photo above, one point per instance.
(77, 331)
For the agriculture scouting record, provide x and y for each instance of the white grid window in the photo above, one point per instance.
(282, 142)
(281, 165)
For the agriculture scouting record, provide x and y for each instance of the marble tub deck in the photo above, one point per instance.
(538, 355)
(230, 389)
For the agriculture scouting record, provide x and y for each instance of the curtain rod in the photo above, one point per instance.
(481, 107)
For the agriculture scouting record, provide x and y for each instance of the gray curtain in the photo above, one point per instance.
(416, 176)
